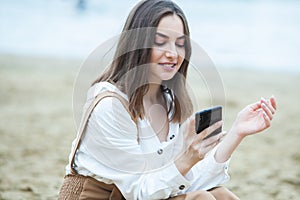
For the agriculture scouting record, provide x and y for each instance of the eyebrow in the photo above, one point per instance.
(165, 36)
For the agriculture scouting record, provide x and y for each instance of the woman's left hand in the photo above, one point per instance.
(255, 117)
(252, 119)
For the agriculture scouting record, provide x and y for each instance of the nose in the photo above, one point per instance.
(171, 52)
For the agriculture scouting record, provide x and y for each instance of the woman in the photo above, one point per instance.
(149, 150)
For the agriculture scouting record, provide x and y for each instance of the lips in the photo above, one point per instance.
(168, 66)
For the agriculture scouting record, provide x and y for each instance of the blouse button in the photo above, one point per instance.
(172, 136)
(181, 187)
(160, 151)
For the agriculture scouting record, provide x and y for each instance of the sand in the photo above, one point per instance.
(37, 127)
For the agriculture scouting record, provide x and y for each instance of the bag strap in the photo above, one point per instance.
(84, 121)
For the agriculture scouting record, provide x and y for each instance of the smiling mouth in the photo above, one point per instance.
(168, 66)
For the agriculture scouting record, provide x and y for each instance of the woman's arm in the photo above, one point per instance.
(251, 120)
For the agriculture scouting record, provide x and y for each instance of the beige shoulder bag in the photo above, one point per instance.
(76, 186)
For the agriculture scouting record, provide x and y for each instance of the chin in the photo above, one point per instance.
(166, 77)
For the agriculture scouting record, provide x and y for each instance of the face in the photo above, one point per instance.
(168, 51)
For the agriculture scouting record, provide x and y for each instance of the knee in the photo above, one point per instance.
(223, 193)
(230, 196)
(201, 194)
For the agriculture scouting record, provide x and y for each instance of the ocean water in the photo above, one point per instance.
(236, 33)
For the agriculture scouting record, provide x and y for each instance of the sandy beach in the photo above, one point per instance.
(37, 127)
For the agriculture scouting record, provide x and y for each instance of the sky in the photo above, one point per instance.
(252, 34)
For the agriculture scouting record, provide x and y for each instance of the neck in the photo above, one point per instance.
(153, 94)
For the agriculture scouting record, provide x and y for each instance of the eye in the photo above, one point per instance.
(180, 43)
(160, 39)
(159, 43)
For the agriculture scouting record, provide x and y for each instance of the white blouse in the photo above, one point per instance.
(110, 152)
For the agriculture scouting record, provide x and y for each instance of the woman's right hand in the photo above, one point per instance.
(195, 146)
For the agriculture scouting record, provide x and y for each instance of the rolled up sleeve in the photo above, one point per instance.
(209, 173)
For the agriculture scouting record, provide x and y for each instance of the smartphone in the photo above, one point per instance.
(206, 118)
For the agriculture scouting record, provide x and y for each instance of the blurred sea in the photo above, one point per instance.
(260, 34)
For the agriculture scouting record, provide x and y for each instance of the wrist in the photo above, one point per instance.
(236, 133)
(184, 164)
(182, 167)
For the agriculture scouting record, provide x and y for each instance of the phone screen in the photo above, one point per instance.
(206, 118)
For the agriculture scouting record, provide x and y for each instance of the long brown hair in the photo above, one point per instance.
(134, 50)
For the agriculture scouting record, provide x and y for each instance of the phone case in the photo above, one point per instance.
(206, 118)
